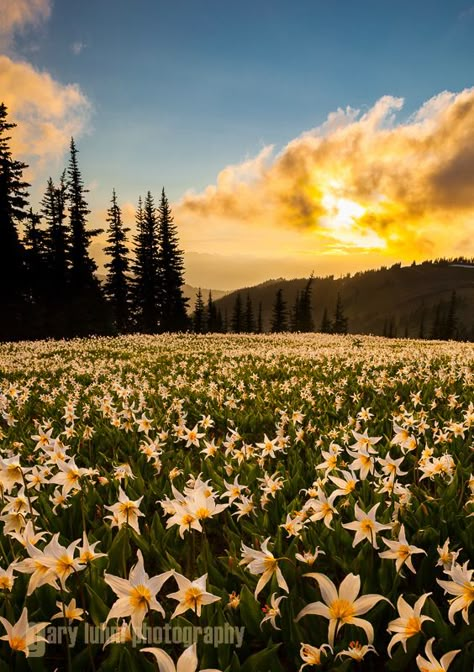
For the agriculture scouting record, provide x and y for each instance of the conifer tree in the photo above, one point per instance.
(260, 318)
(173, 304)
(451, 324)
(249, 318)
(279, 321)
(13, 210)
(82, 264)
(340, 323)
(35, 243)
(237, 321)
(146, 282)
(54, 212)
(89, 312)
(211, 315)
(302, 317)
(437, 328)
(421, 332)
(199, 321)
(117, 283)
(295, 313)
(326, 326)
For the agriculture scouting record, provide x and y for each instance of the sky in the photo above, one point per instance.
(290, 136)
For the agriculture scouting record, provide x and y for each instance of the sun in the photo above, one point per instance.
(342, 221)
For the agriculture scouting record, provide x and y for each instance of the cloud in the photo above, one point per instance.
(357, 182)
(77, 47)
(47, 112)
(16, 15)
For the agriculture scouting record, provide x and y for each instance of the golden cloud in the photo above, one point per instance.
(47, 113)
(17, 14)
(358, 182)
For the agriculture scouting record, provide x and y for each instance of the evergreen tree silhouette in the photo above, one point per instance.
(326, 326)
(146, 282)
(83, 266)
(173, 304)
(279, 321)
(89, 312)
(237, 321)
(340, 323)
(260, 318)
(54, 212)
(13, 210)
(199, 322)
(451, 324)
(302, 316)
(53, 209)
(116, 286)
(249, 318)
(295, 313)
(437, 328)
(212, 316)
(421, 331)
(36, 256)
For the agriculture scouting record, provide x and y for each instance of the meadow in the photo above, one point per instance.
(295, 501)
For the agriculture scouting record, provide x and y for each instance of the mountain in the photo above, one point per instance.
(404, 297)
(190, 293)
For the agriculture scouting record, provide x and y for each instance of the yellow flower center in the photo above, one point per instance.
(342, 610)
(193, 597)
(310, 656)
(140, 597)
(18, 643)
(413, 626)
(469, 591)
(367, 526)
(64, 564)
(202, 513)
(269, 563)
(403, 552)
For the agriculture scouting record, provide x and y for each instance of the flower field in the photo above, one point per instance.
(252, 503)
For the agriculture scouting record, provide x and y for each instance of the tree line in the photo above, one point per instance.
(208, 318)
(49, 286)
(48, 278)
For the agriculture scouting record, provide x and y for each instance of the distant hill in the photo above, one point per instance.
(403, 296)
(190, 293)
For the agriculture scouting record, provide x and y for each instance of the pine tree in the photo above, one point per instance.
(279, 321)
(211, 315)
(437, 327)
(54, 212)
(146, 282)
(260, 318)
(36, 251)
(58, 299)
(451, 324)
(199, 321)
(117, 284)
(237, 321)
(340, 320)
(13, 210)
(421, 332)
(295, 314)
(89, 312)
(326, 326)
(82, 265)
(249, 318)
(173, 304)
(302, 316)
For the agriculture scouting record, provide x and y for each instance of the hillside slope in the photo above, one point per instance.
(404, 296)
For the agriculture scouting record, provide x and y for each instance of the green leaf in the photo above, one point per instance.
(263, 660)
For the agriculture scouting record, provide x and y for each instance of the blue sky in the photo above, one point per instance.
(179, 90)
